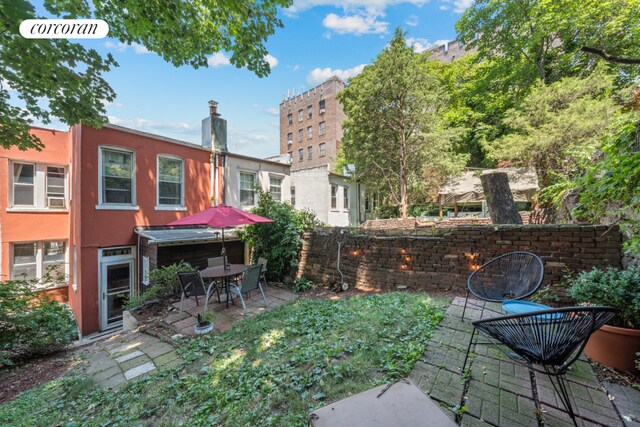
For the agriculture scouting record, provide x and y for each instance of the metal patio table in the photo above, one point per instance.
(225, 273)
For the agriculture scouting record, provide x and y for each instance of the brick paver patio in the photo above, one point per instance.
(500, 392)
(125, 356)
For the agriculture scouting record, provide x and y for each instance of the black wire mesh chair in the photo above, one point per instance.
(515, 275)
(547, 341)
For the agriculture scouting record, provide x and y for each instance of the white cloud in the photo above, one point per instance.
(421, 45)
(139, 49)
(319, 75)
(272, 60)
(218, 59)
(155, 126)
(302, 5)
(112, 104)
(273, 111)
(412, 21)
(294, 68)
(253, 142)
(459, 6)
(363, 22)
(121, 47)
(4, 84)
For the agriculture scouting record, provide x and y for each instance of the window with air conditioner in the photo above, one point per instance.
(322, 106)
(37, 186)
(55, 187)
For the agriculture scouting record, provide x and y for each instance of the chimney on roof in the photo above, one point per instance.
(214, 129)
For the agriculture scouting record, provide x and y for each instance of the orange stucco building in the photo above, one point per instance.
(72, 208)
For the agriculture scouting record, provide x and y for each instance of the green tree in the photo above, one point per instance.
(281, 240)
(394, 134)
(57, 78)
(543, 40)
(558, 126)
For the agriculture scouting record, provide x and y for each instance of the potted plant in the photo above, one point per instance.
(617, 343)
(205, 322)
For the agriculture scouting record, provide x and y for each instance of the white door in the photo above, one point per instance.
(116, 284)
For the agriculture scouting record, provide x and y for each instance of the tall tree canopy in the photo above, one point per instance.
(544, 39)
(58, 78)
(394, 133)
(558, 126)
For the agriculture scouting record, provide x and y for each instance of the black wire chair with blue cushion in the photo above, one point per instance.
(547, 341)
(515, 275)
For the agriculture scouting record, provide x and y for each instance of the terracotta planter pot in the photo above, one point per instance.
(615, 347)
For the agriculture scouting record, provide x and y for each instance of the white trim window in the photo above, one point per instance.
(37, 186)
(310, 132)
(275, 188)
(323, 149)
(300, 115)
(55, 187)
(321, 106)
(323, 128)
(247, 189)
(38, 260)
(301, 154)
(309, 111)
(117, 177)
(300, 135)
(334, 196)
(170, 181)
(345, 195)
(290, 119)
(310, 153)
(24, 184)
(289, 138)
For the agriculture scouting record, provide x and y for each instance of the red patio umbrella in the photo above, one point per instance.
(221, 216)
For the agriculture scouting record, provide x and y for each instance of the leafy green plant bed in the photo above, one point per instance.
(272, 369)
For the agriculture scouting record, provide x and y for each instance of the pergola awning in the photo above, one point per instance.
(467, 188)
(172, 235)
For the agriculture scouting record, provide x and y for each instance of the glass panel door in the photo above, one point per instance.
(116, 282)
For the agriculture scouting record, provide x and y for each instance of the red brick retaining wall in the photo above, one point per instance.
(442, 259)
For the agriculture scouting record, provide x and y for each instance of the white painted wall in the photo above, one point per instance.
(263, 170)
(313, 191)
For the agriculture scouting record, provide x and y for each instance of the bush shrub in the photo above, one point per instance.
(32, 323)
(165, 284)
(281, 240)
(613, 287)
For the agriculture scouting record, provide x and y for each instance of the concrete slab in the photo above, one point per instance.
(139, 370)
(128, 356)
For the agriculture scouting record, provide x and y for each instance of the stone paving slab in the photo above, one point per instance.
(497, 391)
(126, 356)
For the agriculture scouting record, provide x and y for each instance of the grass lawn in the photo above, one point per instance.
(272, 369)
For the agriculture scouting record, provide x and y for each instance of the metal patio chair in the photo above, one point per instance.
(193, 286)
(263, 262)
(515, 275)
(250, 281)
(547, 341)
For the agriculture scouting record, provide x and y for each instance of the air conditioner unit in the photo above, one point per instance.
(322, 111)
(55, 202)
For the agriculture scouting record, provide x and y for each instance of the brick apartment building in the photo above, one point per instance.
(311, 126)
(450, 51)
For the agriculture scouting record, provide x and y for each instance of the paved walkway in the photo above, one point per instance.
(499, 392)
(183, 323)
(124, 356)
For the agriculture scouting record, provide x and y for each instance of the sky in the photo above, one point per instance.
(320, 38)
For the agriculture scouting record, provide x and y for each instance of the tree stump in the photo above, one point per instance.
(497, 193)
